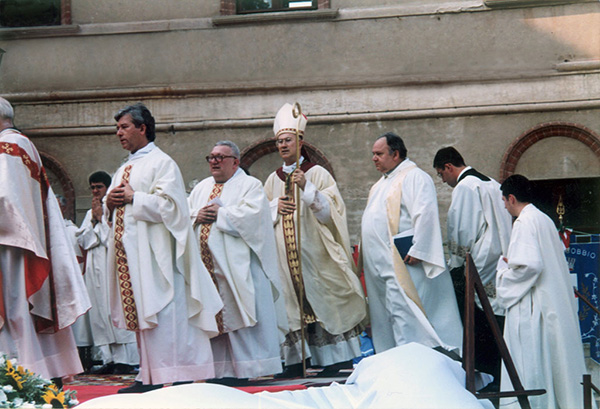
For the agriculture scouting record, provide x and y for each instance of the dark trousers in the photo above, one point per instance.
(487, 354)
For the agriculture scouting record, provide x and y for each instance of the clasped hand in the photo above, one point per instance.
(119, 196)
(208, 214)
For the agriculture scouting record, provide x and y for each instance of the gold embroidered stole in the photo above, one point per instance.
(289, 234)
(124, 278)
(392, 202)
(206, 254)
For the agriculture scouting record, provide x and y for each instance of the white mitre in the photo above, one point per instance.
(285, 121)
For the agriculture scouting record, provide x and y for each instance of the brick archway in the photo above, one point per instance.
(66, 183)
(543, 131)
(262, 148)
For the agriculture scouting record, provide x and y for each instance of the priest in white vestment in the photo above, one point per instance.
(117, 347)
(478, 224)
(41, 289)
(411, 298)
(156, 282)
(542, 326)
(334, 304)
(232, 222)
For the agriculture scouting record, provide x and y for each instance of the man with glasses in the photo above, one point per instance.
(477, 224)
(157, 285)
(232, 222)
(334, 303)
(117, 347)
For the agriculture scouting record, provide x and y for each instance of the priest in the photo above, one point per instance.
(542, 327)
(477, 224)
(117, 347)
(232, 222)
(333, 300)
(411, 298)
(41, 289)
(157, 286)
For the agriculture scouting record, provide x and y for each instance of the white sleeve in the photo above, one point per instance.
(317, 202)
(524, 266)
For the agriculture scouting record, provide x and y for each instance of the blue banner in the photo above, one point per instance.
(583, 259)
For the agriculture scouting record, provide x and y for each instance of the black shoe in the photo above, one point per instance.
(105, 369)
(58, 382)
(228, 381)
(334, 370)
(123, 369)
(182, 383)
(290, 371)
(138, 387)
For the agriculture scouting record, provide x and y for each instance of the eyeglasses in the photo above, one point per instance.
(284, 141)
(217, 158)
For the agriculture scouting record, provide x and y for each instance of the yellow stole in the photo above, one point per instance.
(392, 202)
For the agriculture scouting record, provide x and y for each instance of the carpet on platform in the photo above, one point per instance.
(93, 386)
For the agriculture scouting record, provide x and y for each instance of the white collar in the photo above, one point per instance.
(142, 151)
(290, 168)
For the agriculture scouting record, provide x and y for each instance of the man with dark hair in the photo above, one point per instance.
(157, 286)
(42, 291)
(117, 347)
(232, 221)
(334, 303)
(478, 224)
(542, 326)
(410, 291)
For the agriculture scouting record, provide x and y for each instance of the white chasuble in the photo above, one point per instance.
(43, 291)
(169, 287)
(242, 249)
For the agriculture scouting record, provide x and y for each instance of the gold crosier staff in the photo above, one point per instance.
(297, 113)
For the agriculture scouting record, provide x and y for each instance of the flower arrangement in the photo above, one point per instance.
(20, 388)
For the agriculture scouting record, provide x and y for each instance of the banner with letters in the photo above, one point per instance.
(584, 259)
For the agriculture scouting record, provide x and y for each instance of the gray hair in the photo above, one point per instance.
(234, 148)
(6, 110)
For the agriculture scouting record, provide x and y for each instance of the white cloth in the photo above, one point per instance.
(35, 250)
(407, 377)
(479, 224)
(82, 330)
(332, 287)
(243, 250)
(176, 304)
(541, 328)
(395, 318)
(110, 339)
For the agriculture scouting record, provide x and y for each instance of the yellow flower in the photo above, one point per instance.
(10, 371)
(54, 397)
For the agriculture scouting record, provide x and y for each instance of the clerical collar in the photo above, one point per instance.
(463, 171)
(290, 168)
(142, 151)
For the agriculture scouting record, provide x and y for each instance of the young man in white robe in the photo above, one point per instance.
(542, 327)
(411, 298)
(333, 301)
(478, 224)
(157, 286)
(41, 289)
(232, 222)
(117, 347)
